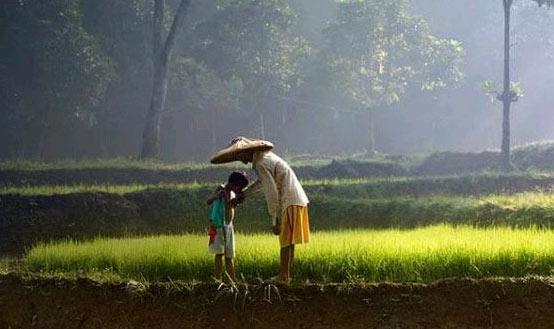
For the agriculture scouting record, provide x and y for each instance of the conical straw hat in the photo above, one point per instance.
(238, 146)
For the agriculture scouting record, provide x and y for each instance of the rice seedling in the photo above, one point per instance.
(418, 255)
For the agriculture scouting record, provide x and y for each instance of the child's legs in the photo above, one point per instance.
(230, 267)
(230, 250)
(218, 266)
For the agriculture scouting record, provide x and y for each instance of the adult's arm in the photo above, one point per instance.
(252, 189)
(271, 192)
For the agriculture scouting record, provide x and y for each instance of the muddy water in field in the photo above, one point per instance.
(55, 303)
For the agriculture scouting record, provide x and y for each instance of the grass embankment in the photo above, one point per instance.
(334, 204)
(419, 255)
(119, 189)
(24, 220)
(520, 210)
(4, 265)
(112, 163)
(132, 163)
(466, 185)
(119, 172)
(81, 212)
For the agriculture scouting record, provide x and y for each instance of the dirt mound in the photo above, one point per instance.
(534, 156)
(54, 303)
(454, 163)
(538, 155)
(357, 169)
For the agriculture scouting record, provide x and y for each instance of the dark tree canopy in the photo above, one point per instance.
(76, 76)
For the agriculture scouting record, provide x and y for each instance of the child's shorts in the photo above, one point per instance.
(222, 241)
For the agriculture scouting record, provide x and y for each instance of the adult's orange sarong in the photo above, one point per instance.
(295, 226)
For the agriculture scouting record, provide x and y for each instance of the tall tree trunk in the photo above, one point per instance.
(105, 121)
(18, 139)
(151, 133)
(371, 136)
(43, 126)
(161, 58)
(283, 125)
(507, 98)
(41, 141)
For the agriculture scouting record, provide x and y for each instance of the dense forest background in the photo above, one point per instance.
(76, 76)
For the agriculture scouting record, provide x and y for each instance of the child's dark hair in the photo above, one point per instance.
(239, 179)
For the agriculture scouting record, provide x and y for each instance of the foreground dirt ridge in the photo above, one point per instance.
(61, 303)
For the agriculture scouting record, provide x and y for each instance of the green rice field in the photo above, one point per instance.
(418, 255)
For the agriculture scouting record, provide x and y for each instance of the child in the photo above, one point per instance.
(222, 236)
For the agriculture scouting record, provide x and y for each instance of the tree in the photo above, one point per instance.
(54, 73)
(196, 89)
(123, 29)
(509, 95)
(251, 40)
(161, 56)
(376, 50)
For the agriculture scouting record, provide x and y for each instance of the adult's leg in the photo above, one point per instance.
(291, 260)
(287, 255)
(230, 268)
(218, 266)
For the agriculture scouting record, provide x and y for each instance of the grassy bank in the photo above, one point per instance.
(4, 265)
(464, 185)
(32, 214)
(119, 189)
(132, 163)
(419, 255)
(111, 163)
(24, 220)
(122, 171)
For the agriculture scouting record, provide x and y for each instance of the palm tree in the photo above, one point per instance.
(508, 96)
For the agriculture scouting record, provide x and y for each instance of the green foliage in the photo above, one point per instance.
(252, 41)
(421, 255)
(545, 2)
(491, 89)
(195, 87)
(56, 72)
(377, 50)
(4, 265)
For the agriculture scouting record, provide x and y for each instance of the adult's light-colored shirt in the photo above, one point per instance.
(278, 182)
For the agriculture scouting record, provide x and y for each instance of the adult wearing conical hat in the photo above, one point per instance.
(238, 147)
(287, 202)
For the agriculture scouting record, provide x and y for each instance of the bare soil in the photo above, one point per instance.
(82, 303)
